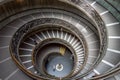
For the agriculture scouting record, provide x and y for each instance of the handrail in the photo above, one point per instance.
(112, 6)
(102, 3)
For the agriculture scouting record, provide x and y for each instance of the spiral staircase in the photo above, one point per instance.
(59, 40)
